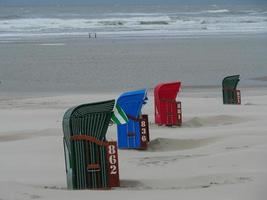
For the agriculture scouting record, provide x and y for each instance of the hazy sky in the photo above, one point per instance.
(90, 2)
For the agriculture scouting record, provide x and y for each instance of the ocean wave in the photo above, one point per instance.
(7, 17)
(175, 23)
(216, 11)
(154, 23)
(112, 23)
(248, 21)
(133, 14)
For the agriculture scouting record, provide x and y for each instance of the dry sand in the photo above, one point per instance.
(219, 153)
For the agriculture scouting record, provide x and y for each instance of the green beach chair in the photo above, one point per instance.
(230, 94)
(91, 162)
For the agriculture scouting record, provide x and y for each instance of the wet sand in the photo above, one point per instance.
(82, 64)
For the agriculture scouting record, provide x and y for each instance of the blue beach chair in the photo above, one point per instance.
(135, 133)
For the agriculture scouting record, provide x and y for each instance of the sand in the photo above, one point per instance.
(219, 152)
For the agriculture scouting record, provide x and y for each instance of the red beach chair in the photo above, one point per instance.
(168, 111)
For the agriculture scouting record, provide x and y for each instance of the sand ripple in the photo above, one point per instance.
(166, 144)
(219, 120)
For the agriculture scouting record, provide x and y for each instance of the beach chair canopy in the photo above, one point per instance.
(90, 119)
(167, 90)
(230, 82)
(132, 102)
(85, 128)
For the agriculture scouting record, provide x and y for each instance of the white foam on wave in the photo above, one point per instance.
(118, 23)
(217, 11)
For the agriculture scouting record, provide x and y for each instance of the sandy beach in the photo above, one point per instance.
(56, 54)
(218, 153)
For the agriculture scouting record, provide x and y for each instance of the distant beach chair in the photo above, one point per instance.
(135, 133)
(91, 161)
(168, 111)
(230, 94)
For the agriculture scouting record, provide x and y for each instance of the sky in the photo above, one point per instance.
(95, 2)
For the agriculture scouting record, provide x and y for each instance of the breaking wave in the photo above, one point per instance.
(112, 23)
(212, 21)
(217, 11)
(154, 22)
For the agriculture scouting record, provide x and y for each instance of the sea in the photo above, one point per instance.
(53, 48)
(128, 21)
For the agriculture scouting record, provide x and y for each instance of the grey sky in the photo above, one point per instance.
(90, 2)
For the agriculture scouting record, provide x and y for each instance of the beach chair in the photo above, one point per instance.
(168, 111)
(230, 94)
(91, 161)
(135, 133)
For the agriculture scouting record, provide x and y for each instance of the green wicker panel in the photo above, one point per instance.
(229, 85)
(92, 120)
